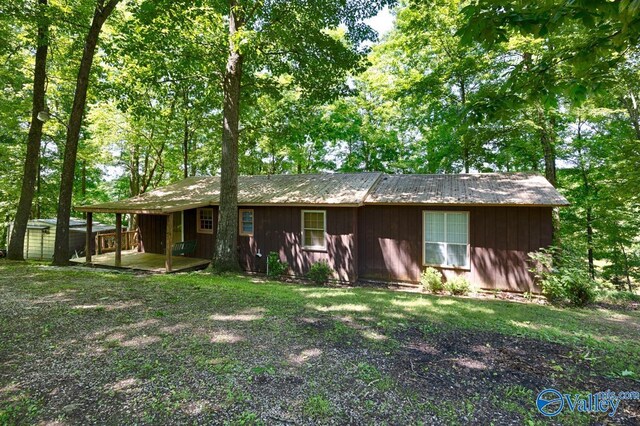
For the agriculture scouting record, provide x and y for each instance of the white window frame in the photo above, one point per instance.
(253, 223)
(324, 217)
(199, 229)
(181, 224)
(424, 239)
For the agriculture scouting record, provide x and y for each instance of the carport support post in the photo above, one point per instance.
(87, 240)
(168, 258)
(118, 239)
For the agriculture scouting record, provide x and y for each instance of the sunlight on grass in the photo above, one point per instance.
(140, 341)
(335, 293)
(304, 356)
(226, 337)
(527, 325)
(415, 303)
(176, 328)
(136, 302)
(194, 408)
(348, 307)
(372, 335)
(446, 302)
(252, 314)
(123, 385)
(394, 315)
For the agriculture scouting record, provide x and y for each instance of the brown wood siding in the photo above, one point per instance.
(153, 233)
(379, 242)
(390, 244)
(204, 242)
(278, 229)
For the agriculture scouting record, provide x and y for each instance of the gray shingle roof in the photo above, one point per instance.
(347, 189)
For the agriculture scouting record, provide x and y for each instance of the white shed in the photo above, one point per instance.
(40, 237)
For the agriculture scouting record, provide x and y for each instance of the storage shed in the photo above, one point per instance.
(39, 240)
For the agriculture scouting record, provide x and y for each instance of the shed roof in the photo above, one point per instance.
(75, 225)
(519, 189)
(346, 189)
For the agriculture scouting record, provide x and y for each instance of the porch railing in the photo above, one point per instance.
(106, 242)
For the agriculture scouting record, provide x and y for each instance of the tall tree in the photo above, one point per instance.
(61, 250)
(225, 256)
(32, 158)
(294, 38)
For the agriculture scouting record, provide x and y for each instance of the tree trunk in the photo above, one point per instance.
(84, 185)
(225, 257)
(32, 159)
(61, 249)
(592, 268)
(39, 189)
(634, 114)
(626, 268)
(548, 147)
(185, 147)
(465, 139)
(548, 141)
(587, 192)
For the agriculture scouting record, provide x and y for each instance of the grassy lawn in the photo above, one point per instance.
(87, 346)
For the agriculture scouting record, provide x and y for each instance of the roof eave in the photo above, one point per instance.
(443, 204)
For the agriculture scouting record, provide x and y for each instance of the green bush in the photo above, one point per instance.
(569, 282)
(275, 267)
(431, 279)
(320, 272)
(458, 285)
(617, 297)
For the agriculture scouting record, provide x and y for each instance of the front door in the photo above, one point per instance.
(178, 227)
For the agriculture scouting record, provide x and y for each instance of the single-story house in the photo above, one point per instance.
(40, 237)
(367, 226)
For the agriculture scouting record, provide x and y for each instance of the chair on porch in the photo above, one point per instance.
(183, 247)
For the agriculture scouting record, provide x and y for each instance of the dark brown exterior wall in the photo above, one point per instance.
(390, 244)
(205, 242)
(278, 229)
(379, 242)
(153, 233)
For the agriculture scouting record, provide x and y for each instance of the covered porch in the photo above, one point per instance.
(163, 248)
(146, 262)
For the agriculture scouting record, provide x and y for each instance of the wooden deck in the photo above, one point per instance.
(148, 262)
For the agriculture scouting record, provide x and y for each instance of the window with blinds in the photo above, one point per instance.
(313, 229)
(446, 239)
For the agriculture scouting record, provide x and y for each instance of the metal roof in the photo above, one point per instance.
(73, 222)
(347, 190)
(519, 189)
(75, 225)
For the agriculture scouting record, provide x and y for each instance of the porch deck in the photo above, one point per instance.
(148, 262)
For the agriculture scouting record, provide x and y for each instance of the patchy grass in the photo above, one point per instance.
(83, 346)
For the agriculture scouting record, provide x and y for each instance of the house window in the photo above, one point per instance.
(314, 225)
(205, 221)
(246, 222)
(446, 239)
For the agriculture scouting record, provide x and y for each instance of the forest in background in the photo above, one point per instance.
(454, 87)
